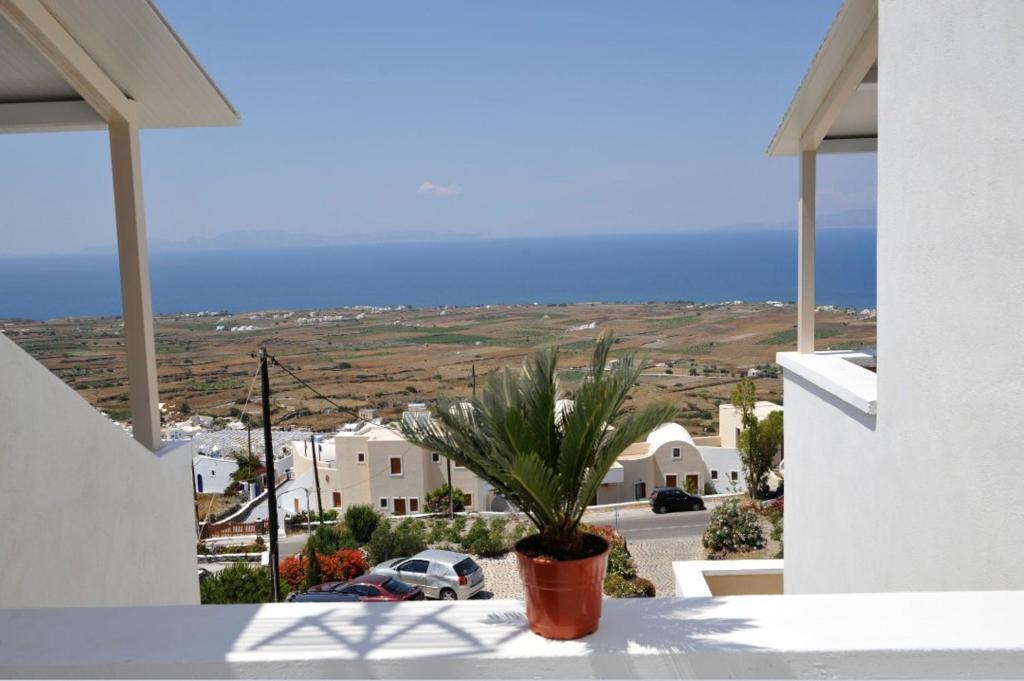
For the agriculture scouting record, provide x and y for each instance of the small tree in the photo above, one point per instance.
(759, 442)
(437, 500)
(361, 520)
(250, 468)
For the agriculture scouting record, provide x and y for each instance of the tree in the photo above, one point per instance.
(250, 468)
(546, 457)
(759, 442)
(437, 500)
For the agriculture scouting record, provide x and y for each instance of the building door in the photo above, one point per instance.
(693, 483)
(639, 490)
(399, 505)
(295, 503)
(337, 500)
(671, 480)
(199, 483)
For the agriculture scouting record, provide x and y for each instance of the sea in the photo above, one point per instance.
(704, 267)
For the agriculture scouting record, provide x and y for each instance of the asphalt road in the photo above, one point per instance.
(644, 525)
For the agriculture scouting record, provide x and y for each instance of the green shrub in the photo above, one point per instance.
(620, 562)
(439, 532)
(361, 520)
(458, 528)
(327, 539)
(477, 531)
(709, 488)
(238, 583)
(405, 539)
(618, 586)
(486, 540)
(645, 587)
(733, 529)
(437, 500)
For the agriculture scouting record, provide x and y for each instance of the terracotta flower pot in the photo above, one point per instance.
(563, 597)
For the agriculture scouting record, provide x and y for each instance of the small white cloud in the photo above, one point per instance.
(444, 191)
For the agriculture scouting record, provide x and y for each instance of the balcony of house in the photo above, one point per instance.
(906, 635)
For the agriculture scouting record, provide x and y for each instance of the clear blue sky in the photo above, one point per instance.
(490, 118)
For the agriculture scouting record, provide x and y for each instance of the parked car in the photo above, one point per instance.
(365, 588)
(325, 596)
(674, 499)
(446, 575)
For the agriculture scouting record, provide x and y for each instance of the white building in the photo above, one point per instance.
(899, 479)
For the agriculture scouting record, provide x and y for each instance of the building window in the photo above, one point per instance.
(383, 502)
(671, 480)
(677, 453)
(435, 457)
(734, 476)
(414, 505)
(361, 457)
(337, 500)
(468, 500)
(213, 473)
(714, 474)
(396, 466)
(295, 503)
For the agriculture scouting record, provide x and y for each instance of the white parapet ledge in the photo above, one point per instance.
(691, 575)
(838, 373)
(922, 635)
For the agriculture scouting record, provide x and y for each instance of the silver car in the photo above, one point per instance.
(446, 575)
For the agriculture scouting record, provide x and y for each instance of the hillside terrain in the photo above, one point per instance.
(385, 358)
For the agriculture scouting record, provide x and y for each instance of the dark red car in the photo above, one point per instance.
(369, 587)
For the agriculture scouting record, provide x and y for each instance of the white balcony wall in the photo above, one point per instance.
(951, 282)
(933, 499)
(831, 495)
(91, 517)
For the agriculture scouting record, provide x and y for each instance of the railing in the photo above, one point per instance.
(234, 529)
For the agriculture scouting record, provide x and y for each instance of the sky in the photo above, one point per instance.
(456, 118)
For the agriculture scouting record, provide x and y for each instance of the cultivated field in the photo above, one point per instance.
(383, 359)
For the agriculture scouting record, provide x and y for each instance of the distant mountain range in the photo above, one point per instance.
(271, 239)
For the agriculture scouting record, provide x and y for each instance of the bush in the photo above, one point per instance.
(733, 529)
(645, 587)
(486, 540)
(774, 511)
(238, 583)
(440, 531)
(618, 586)
(330, 515)
(709, 488)
(437, 501)
(406, 539)
(293, 571)
(361, 520)
(343, 565)
(620, 562)
(327, 539)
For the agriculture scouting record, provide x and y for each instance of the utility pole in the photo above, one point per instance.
(316, 480)
(268, 450)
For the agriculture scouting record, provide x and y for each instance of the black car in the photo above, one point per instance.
(674, 499)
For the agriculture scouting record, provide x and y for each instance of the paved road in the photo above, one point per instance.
(643, 525)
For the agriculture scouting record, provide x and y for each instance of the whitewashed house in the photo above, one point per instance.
(899, 479)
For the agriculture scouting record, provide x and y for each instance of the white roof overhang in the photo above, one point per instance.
(835, 109)
(79, 64)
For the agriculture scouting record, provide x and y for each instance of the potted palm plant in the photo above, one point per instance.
(548, 456)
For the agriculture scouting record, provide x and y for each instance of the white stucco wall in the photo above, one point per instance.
(931, 500)
(215, 473)
(950, 283)
(92, 518)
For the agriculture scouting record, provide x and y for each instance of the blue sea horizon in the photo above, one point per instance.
(704, 267)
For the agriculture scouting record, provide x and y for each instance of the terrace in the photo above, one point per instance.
(89, 65)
